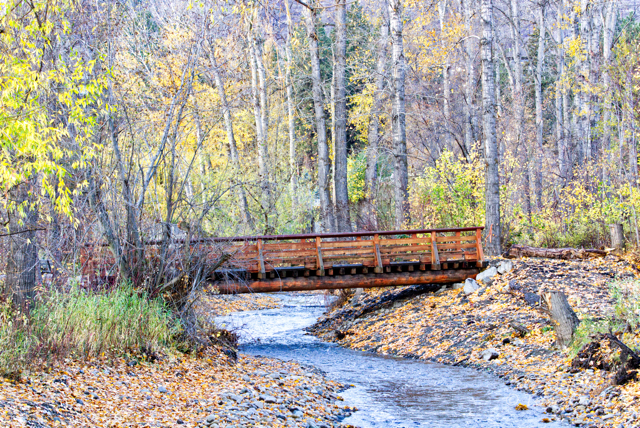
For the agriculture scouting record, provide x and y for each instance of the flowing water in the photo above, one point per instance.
(388, 391)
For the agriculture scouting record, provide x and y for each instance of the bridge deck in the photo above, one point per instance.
(351, 260)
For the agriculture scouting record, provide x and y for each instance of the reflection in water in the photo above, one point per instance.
(388, 391)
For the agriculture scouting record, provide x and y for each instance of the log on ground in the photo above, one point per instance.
(554, 253)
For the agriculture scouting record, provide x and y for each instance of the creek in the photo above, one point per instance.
(388, 391)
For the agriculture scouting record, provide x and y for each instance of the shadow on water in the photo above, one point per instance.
(388, 391)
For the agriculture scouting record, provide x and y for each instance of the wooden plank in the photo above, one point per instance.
(400, 241)
(292, 246)
(456, 238)
(350, 281)
(420, 248)
(341, 244)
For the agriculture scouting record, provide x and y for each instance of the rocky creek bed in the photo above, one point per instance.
(474, 327)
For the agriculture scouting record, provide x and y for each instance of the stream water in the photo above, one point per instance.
(388, 391)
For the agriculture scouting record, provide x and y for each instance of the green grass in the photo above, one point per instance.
(83, 324)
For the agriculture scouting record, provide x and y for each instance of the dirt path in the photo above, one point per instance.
(474, 330)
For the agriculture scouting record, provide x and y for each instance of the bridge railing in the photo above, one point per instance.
(379, 252)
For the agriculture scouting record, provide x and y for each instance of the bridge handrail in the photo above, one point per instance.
(321, 235)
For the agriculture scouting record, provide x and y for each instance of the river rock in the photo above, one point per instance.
(487, 274)
(457, 286)
(267, 398)
(470, 286)
(489, 354)
(505, 266)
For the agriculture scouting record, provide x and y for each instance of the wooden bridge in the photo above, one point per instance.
(262, 264)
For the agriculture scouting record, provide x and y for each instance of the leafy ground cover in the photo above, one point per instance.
(208, 390)
(477, 330)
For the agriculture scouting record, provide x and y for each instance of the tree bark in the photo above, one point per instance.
(263, 153)
(326, 208)
(631, 129)
(446, 81)
(518, 98)
(470, 121)
(373, 138)
(539, 118)
(609, 29)
(398, 120)
(562, 316)
(340, 154)
(291, 112)
(492, 180)
(559, 88)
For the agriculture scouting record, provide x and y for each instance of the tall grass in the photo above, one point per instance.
(83, 324)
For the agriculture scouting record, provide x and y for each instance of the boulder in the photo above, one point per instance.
(470, 286)
(457, 286)
(489, 354)
(505, 266)
(486, 275)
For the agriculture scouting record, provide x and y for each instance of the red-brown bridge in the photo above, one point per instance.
(351, 260)
(260, 264)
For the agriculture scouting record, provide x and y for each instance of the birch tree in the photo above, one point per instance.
(492, 180)
(340, 114)
(398, 120)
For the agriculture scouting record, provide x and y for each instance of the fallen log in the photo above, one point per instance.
(554, 253)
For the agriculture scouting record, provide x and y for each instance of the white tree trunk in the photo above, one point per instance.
(401, 174)
(518, 99)
(492, 191)
(559, 89)
(340, 154)
(446, 81)
(539, 118)
(326, 208)
(611, 13)
(470, 121)
(293, 167)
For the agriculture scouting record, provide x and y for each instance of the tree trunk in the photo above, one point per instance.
(559, 88)
(562, 316)
(370, 181)
(539, 118)
(518, 98)
(231, 140)
(631, 130)
(492, 191)
(263, 153)
(22, 268)
(291, 111)
(401, 174)
(617, 236)
(609, 29)
(470, 121)
(326, 208)
(340, 154)
(446, 81)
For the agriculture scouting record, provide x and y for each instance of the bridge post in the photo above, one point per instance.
(320, 271)
(262, 274)
(479, 247)
(435, 258)
(376, 242)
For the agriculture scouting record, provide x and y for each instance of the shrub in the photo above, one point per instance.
(83, 324)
